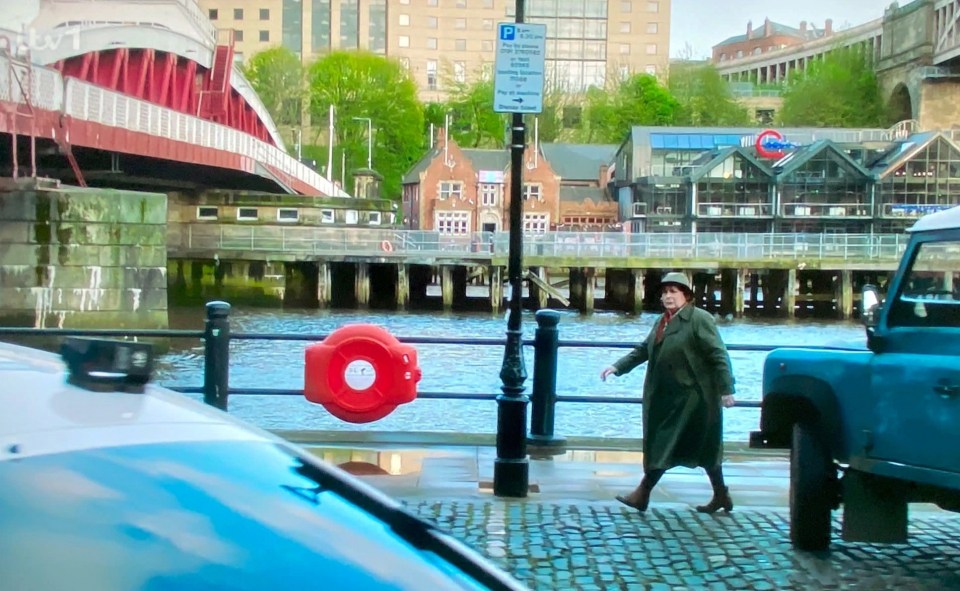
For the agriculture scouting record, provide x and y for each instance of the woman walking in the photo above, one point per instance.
(688, 381)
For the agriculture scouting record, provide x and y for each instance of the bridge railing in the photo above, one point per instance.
(184, 238)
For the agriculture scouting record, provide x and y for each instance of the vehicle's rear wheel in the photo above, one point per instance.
(812, 490)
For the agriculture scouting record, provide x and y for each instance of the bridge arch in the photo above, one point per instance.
(902, 103)
(156, 64)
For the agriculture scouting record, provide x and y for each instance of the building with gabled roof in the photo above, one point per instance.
(770, 37)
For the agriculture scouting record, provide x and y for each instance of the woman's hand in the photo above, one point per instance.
(727, 401)
(606, 372)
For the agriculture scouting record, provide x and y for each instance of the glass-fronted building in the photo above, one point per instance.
(810, 181)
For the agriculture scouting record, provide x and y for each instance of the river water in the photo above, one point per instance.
(463, 368)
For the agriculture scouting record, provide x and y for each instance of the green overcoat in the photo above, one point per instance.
(687, 373)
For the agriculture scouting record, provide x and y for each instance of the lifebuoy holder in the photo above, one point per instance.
(360, 373)
(386, 246)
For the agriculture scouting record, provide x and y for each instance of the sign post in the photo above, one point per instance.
(518, 89)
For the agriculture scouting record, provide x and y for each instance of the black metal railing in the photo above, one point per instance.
(546, 344)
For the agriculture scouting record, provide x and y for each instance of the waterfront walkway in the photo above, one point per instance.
(570, 534)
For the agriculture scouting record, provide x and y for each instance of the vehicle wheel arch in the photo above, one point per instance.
(805, 400)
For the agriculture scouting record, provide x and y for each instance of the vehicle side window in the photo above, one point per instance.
(930, 292)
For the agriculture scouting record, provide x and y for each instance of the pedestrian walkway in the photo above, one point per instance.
(569, 533)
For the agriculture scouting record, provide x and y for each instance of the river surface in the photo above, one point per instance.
(463, 368)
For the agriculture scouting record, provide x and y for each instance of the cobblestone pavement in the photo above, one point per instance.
(601, 545)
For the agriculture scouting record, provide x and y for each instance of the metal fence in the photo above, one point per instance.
(370, 241)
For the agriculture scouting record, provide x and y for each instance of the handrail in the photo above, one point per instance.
(186, 238)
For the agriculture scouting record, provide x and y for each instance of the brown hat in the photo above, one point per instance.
(678, 279)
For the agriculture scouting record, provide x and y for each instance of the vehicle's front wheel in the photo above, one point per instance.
(812, 490)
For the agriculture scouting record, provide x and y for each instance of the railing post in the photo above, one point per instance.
(544, 396)
(216, 364)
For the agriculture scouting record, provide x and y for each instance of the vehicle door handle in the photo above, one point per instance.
(947, 390)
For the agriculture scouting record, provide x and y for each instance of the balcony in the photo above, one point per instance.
(910, 210)
(734, 210)
(825, 210)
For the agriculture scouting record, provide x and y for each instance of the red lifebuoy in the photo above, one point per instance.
(360, 373)
(386, 246)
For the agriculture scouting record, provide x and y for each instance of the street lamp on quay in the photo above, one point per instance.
(369, 140)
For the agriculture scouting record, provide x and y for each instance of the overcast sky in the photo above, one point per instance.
(704, 23)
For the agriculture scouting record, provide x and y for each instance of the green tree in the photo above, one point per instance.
(474, 122)
(840, 91)
(361, 84)
(704, 96)
(637, 100)
(278, 77)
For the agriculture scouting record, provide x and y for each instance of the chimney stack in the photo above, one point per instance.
(767, 28)
(803, 28)
(828, 27)
(749, 29)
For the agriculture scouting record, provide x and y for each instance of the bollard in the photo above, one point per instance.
(544, 397)
(216, 363)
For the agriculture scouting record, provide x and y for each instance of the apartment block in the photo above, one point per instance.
(442, 41)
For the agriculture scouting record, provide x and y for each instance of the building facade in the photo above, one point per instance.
(810, 181)
(770, 37)
(459, 191)
(441, 41)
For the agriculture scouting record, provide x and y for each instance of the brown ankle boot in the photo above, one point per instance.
(639, 499)
(721, 500)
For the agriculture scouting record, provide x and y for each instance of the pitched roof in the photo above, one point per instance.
(776, 29)
(904, 150)
(487, 159)
(578, 162)
(793, 161)
(413, 175)
(703, 168)
(581, 194)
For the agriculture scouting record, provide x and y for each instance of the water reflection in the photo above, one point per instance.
(463, 368)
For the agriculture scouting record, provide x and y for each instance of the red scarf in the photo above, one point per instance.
(662, 325)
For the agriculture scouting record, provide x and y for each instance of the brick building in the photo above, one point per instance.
(770, 37)
(457, 191)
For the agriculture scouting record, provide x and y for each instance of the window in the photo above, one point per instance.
(451, 189)
(486, 45)
(404, 20)
(353, 216)
(404, 2)
(431, 2)
(532, 191)
(264, 14)
(327, 216)
(460, 71)
(739, 53)
(403, 41)
(460, 45)
(264, 36)
(488, 194)
(626, 6)
(238, 36)
(488, 24)
(624, 49)
(431, 22)
(650, 69)
(625, 27)
(535, 222)
(453, 222)
(288, 214)
(405, 63)
(213, 14)
(238, 14)
(653, 7)
(247, 214)
(461, 3)
(431, 42)
(930, 293)
(460, 23)
(488, 3)
(651, 49)
(757, 50)
(653, 28)
(373, 218)
(206, 212)
(432, 74)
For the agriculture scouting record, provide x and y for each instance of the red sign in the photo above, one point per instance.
(762, 148)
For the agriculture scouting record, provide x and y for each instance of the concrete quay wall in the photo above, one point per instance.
(82, 258)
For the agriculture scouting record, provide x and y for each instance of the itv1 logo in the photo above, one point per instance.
(31, 40)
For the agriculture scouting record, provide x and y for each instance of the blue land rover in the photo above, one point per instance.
(876, 429)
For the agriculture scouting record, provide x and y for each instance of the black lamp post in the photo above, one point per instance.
(511, 470)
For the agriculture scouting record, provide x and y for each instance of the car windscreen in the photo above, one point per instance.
(196, 515)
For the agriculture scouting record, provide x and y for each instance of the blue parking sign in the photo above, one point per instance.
(507, 32)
